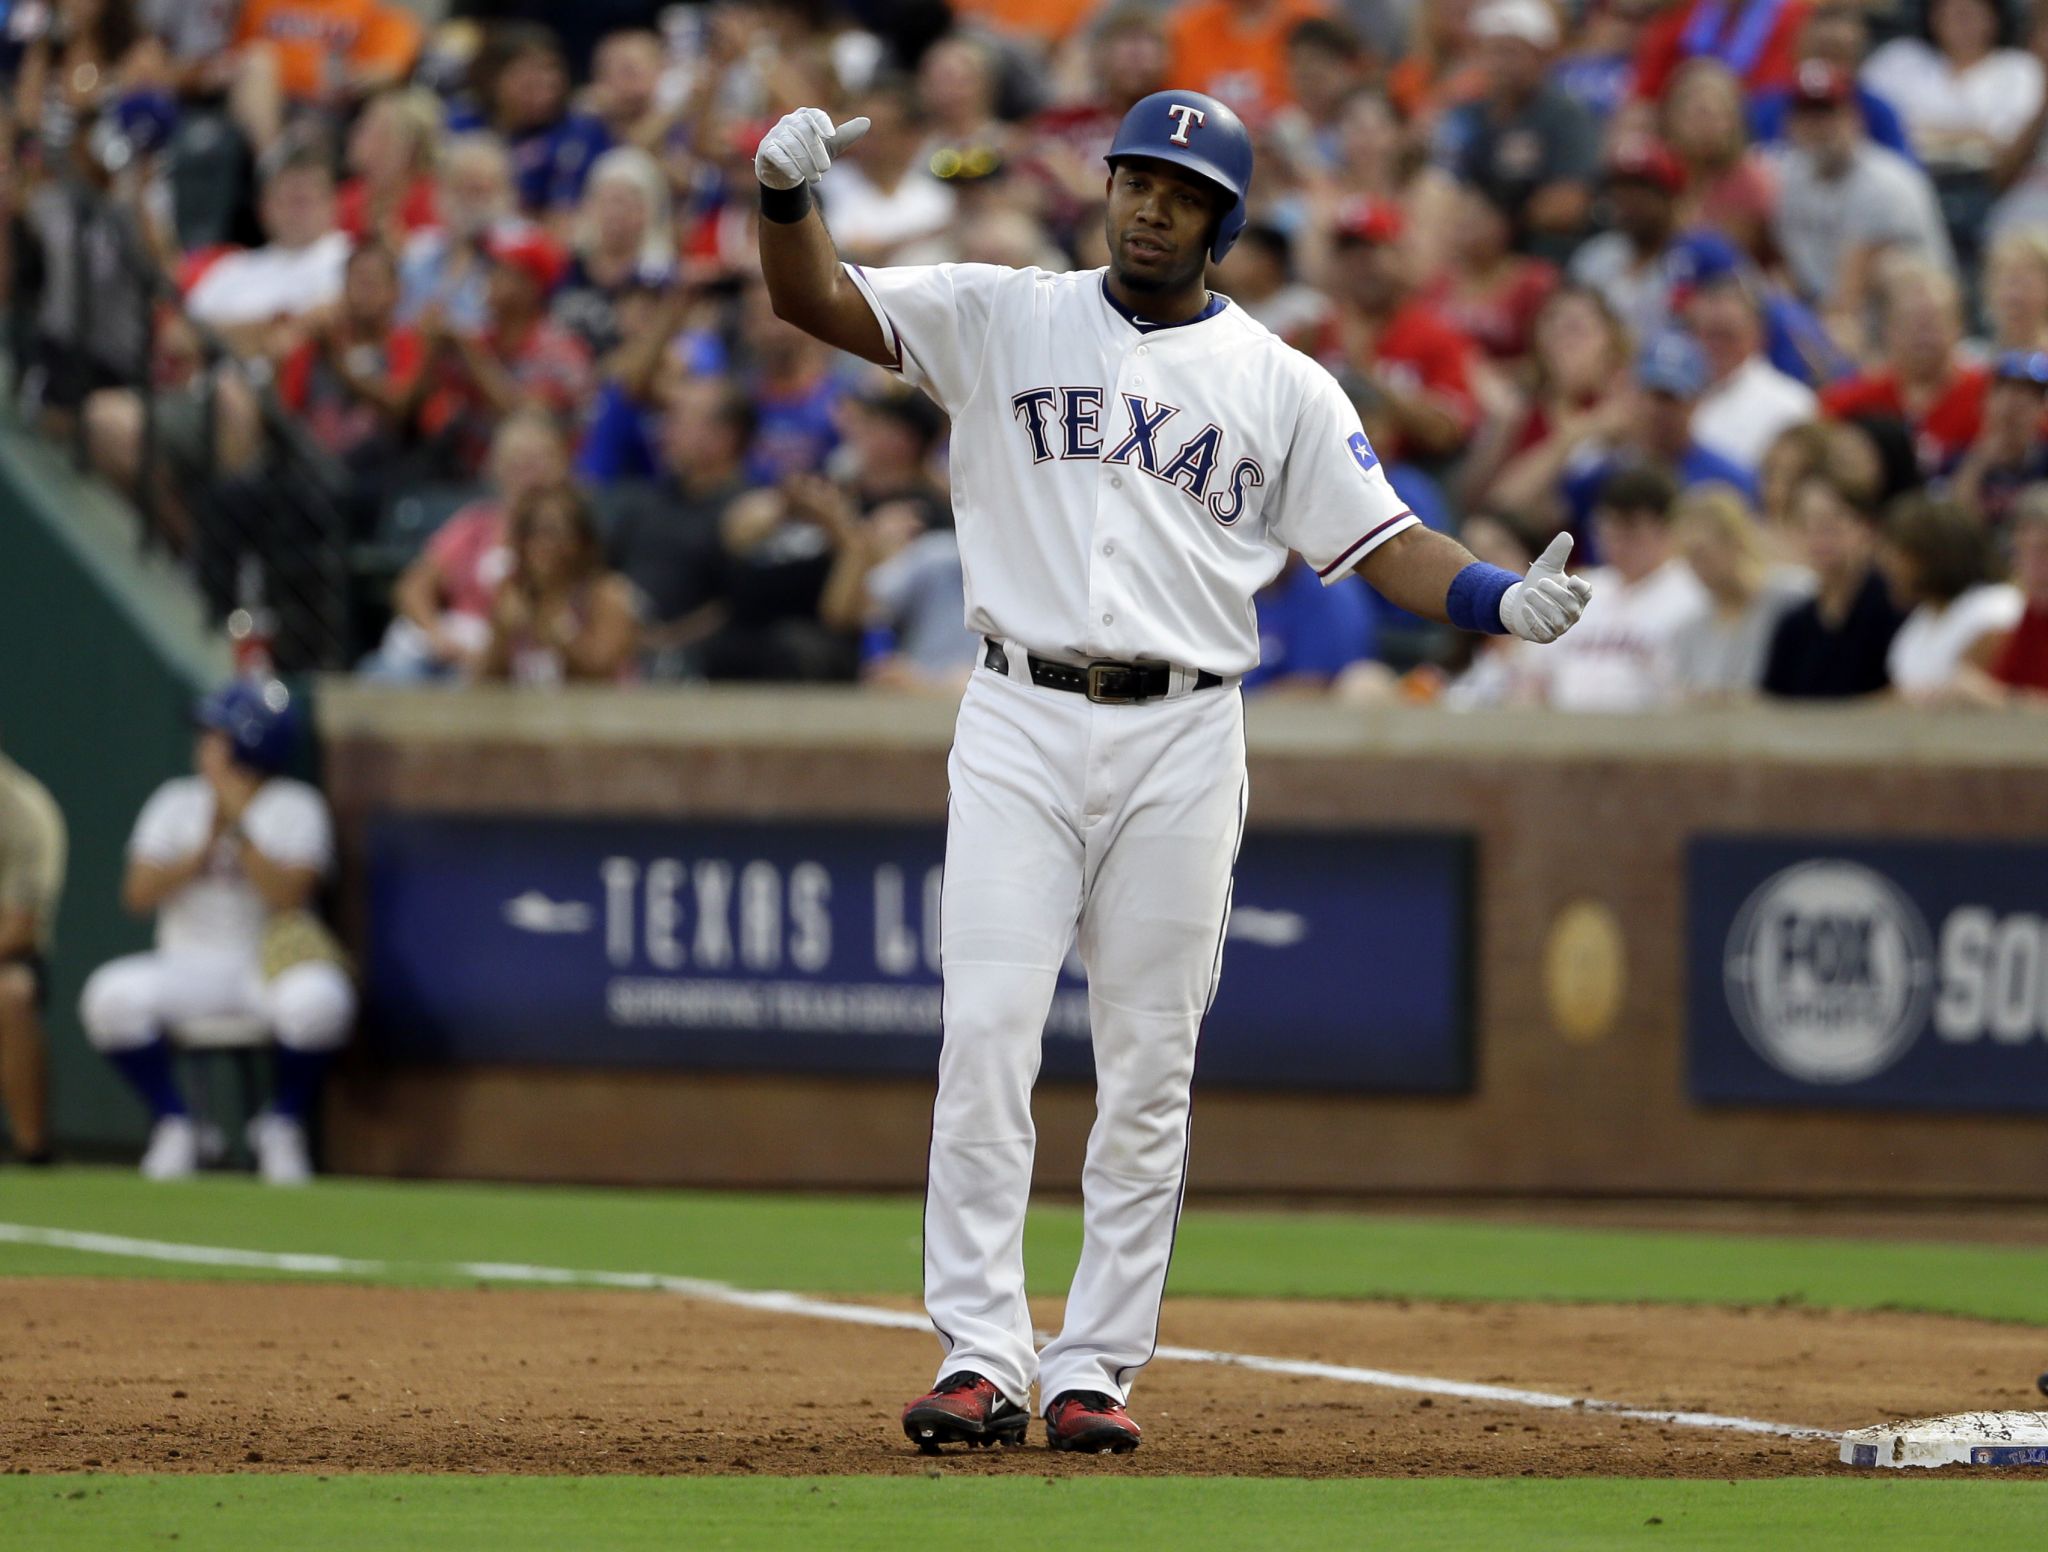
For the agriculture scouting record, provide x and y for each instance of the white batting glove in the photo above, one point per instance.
(1546, 603)
(800, 147)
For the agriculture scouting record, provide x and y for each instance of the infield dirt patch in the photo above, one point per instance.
(135, 1375)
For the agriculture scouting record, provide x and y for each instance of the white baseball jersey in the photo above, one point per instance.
(220, 911)
(1122, 489)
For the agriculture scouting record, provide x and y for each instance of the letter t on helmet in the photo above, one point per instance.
(1194, 131)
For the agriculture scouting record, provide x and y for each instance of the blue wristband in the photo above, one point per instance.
(1473, 602)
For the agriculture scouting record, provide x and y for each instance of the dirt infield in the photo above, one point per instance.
(169, 1376)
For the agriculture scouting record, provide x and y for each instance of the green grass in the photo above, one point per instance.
(870, 1245)
(854, 1514)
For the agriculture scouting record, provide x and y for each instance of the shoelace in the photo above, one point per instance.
(964, 1379)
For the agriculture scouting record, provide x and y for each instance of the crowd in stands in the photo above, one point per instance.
(1749, 295)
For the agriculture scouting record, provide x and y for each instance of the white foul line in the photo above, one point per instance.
(772, 1301)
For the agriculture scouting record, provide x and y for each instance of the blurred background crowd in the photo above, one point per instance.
(432, 341)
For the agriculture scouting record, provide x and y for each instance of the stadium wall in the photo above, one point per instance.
(1580, 829)
(103, 650)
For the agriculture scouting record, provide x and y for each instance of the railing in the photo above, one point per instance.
(267, 543)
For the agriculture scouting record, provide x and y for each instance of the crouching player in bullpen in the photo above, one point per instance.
(1132, 458)
(228, 860)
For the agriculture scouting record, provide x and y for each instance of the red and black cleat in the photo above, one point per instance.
(964, 1408)
(1089, 1421)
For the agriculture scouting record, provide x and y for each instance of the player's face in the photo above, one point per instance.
(213, 756)
(1159, 224)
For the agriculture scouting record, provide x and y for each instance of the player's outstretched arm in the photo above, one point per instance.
(806, 286)
(1433, 575)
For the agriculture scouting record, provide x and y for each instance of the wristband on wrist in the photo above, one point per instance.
(785, 207)
(1473, 603)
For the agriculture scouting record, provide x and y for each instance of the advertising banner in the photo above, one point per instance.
(815, 948)
(1881, 975)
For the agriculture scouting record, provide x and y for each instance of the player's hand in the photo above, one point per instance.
(1546, 603)
(800, 147)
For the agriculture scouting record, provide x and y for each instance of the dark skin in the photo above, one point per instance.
(1160, 222)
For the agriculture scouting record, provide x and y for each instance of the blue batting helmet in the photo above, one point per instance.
(257, 717)
(1201, 134)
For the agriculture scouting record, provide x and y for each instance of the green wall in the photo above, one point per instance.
(101, 651)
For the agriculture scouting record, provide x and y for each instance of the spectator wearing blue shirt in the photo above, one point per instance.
(1671, 374)
(1600, 71)
(796, 393)
(1308, 633)
(1796, 342)
(1650, 425)
(523, 98)
(1836, 34)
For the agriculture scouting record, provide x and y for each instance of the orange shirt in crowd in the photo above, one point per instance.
(1045, 21)
(1420, 88)
(1241, 59)
(318, 41)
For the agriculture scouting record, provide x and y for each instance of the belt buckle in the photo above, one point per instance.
(1100, 678)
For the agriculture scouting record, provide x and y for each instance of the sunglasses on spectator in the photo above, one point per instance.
(2024, 366)
(951, 162)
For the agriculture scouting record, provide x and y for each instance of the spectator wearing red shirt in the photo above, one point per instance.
(1757, 39)
(1409, 370)
(559, 615)
(521, 359)
(355, 380)
(389, 193)
(1729, 185)
(2020, 670)
(1490, 294)
(1578, 388)
(1127, 60)
(441, 605)
(1925, 382)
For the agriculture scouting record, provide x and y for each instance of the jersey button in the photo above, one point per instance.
(1109, 619)
(1116, 482)
(1109, 549)
(1144, 349)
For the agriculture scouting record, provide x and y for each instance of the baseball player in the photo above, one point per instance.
(228, 861)
(1132, 458)
(32, 845)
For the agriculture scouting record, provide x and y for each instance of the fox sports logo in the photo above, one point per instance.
(1829, 971)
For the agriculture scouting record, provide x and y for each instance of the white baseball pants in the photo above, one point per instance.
(1120, 823)
(128, 1002)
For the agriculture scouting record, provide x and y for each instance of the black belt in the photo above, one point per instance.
(1104, 682)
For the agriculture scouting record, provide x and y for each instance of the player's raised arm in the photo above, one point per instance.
(798, 260)
(1433, 575)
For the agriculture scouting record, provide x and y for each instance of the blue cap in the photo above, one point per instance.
(1700, 258)
(2023, 366)
(257, 717)
(1673, 363)
(146, 119)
